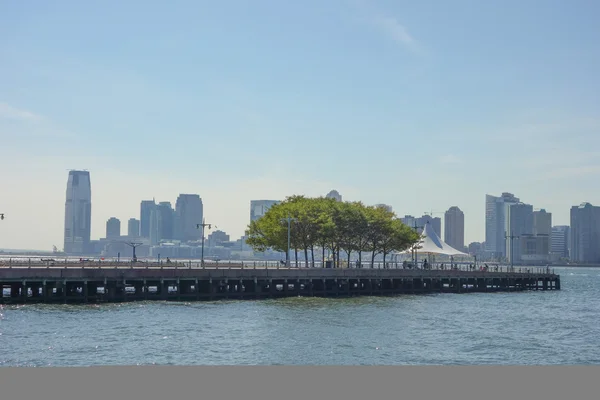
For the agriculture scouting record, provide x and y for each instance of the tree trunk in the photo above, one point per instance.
(323, 257)
(373, 259)
(360, 257)
(305, 257)
(338, 257)
(384, 254)
(349, 252)
(312, 255)
(296, 255)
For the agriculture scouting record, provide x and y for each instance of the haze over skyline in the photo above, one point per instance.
(419, 105)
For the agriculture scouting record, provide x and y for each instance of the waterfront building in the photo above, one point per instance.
(258, 208)
(78, 213)
(113, 228)
(454, 228)
(559, 241)
(519, 222)
(146, 208)
(189, 211)
(133, 228)
(496, 210)
(585, 233)
(542, 222)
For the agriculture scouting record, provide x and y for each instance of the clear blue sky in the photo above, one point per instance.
(421, 105)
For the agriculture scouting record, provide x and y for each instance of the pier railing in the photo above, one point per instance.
(210, 264)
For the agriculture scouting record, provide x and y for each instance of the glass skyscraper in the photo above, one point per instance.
(78, 213)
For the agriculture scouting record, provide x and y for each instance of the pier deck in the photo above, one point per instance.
(70, 284)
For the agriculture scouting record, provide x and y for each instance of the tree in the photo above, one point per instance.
(329, 224)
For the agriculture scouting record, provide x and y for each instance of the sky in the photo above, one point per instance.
(421, 105)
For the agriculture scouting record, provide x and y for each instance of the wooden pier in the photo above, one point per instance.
(100, 285)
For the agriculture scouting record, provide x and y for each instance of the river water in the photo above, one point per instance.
(553, 327)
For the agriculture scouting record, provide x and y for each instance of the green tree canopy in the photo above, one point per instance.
(327, 224)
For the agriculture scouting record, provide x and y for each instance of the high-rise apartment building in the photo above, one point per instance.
(189, 211)
(496, 211)
(559, 241)
(519, 222)
(585, 233)
(258, 208)
(542, 222)
(133, 227)
(113, 228)
(146, 208)
(78, 213)
(454, 228)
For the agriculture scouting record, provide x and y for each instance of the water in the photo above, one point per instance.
(561, 327)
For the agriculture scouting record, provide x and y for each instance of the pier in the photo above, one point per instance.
(70, 284)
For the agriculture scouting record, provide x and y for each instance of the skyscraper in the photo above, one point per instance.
(258, 208)
(560, 241)
(146, 208)
(167, 216)
(585, 233)
(113, 228)
(133, 227)
(454, 228)
(78, 212)
(542, 222)
(496, 210)
(189, 211)
(519, 222)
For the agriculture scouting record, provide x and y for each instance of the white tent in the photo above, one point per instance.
(431, 243)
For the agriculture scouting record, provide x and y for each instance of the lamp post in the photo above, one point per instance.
(511, 237)
(203, 225)
(133, 246)
(289, 223)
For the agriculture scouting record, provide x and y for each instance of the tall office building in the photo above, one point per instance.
(189, 211)
(334, 194)
(519, 222)
(146, 208)
(113, 228)
(78, 213)
(559, 241)
(585, 233)
(258, 208)
(454, 228)
(133, 227)
(167, 216)
(542, 222)
(496, 210)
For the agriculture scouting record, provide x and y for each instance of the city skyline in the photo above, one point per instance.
(125, 222)
(385, 102)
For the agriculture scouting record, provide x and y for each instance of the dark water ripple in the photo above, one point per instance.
(500, 328)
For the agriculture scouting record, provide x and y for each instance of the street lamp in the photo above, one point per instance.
(289, 222)
(203, 225)
(511, 237)
(133, 246)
